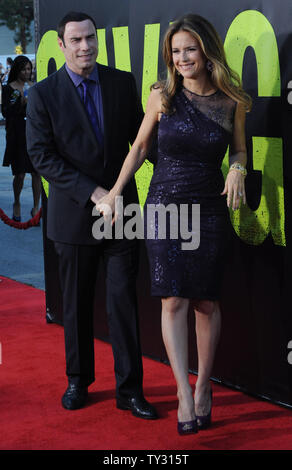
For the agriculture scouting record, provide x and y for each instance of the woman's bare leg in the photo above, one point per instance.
(208, 327)
(36, 191)
(17, 188)
(175, 336)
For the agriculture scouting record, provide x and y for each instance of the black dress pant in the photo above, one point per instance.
(78, 266)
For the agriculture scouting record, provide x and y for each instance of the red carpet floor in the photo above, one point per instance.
(32, 381)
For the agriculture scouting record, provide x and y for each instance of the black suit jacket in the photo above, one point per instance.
(64, 150)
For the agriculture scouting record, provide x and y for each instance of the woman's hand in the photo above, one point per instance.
(234, 188)
(234, 183)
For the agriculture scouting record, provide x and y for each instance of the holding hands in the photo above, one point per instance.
(105, 203)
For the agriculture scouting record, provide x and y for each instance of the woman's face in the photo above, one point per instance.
(187, 55)
(25, 73)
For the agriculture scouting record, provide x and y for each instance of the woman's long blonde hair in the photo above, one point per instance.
(222, 76)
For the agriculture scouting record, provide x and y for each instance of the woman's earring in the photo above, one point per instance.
(209, 66)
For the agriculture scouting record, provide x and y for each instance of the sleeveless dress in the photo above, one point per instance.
(192, 143)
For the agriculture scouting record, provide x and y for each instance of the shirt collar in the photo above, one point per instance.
(77, 79)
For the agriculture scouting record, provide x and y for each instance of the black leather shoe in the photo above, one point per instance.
(74, 397)
(138, 406)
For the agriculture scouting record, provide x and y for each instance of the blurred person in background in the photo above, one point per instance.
(4, 78)
(14, 101)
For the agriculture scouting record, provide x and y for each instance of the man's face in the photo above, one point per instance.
(80, 46)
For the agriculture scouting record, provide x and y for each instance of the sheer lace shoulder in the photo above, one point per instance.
(218, 107)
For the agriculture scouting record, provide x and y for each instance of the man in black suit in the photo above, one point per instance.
(80, 121)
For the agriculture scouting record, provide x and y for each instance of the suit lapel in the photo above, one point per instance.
(72, 100)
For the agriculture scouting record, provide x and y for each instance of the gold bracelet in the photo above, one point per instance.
(238, 167)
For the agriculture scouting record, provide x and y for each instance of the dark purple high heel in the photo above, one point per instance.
(187, 427)
(32, 216)
(16, 218)
(204, 422)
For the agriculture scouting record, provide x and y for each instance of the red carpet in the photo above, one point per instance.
(32, 381)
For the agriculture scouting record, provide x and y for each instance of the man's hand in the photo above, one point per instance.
(100, 197)
(98, 194)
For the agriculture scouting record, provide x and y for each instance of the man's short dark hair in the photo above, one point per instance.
(72, 16)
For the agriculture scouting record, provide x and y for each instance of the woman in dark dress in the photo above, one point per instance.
(200, 110)
(14, 99)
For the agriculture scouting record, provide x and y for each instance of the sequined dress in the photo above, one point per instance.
(192, 143)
